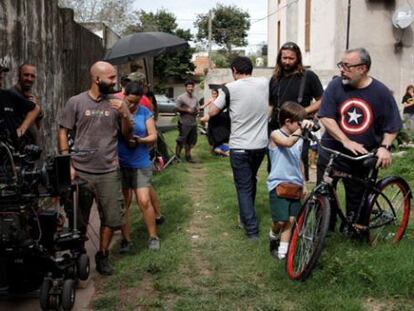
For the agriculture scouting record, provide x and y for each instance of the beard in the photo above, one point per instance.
(289, 68)
(105, 88)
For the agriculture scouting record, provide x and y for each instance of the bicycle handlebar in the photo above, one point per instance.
(307, 134)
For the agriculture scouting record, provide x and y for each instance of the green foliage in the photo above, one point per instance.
(162, 20)
(229, 26)
(220, 59)
(178, 64)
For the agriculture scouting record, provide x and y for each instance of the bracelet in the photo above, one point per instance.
(388, 147)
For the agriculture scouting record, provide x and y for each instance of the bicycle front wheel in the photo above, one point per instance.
(389, 211)
(308, 237)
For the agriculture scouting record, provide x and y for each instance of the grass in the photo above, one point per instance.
(206, 263)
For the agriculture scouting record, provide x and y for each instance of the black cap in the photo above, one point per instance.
(4, 69)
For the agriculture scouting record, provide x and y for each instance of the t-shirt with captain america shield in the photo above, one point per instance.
(364, 114)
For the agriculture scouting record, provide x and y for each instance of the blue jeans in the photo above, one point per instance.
(245, 164)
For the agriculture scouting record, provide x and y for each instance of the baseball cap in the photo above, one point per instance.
(137, 77)
(4, 69)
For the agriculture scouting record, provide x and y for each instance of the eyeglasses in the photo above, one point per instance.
(346, 66)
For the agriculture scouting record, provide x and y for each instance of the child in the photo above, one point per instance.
(285, 149)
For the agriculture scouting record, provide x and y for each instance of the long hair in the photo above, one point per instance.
(408, 88)
(278, 72)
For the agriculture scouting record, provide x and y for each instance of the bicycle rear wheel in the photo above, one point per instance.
(308, 237)
(389, 211)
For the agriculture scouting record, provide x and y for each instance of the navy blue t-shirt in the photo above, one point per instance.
(364, 115)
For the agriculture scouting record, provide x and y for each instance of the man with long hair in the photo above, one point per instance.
(292, 82)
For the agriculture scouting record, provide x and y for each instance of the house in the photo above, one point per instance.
(321, 29)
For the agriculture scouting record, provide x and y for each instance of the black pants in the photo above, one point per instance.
(354, 191)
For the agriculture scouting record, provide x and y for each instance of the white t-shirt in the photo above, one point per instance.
(249, 100)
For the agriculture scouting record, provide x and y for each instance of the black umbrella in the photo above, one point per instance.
(142, 44)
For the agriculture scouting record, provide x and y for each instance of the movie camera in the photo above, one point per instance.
(37, 250)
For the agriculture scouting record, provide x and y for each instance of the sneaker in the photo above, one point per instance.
(154, 243)
(124, 247)
(240, 223)
(102, 264)
(160, 220)
(253, 238)
(281, 256)
(189, 159)
(274, 241)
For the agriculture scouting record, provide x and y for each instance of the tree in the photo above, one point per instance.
(161, 21)
(177, 64)
(115, 13)
(229, 26)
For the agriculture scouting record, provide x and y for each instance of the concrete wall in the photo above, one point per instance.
(39, 32)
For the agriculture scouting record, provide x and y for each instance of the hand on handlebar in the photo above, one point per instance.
(355, 147)
(306, 124)
(384, 158)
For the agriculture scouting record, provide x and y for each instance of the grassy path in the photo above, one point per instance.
(205, 262)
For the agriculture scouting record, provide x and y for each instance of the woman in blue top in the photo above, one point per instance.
(136, 166)
(285, 148)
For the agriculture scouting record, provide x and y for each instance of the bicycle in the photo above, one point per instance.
(388, 201)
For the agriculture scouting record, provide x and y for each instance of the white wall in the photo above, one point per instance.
(271, 33)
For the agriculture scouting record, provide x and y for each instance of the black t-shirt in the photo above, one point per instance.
(13, 110)
(363, 115)
(410, 109)
(287, 89)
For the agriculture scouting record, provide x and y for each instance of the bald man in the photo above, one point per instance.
(97, 119)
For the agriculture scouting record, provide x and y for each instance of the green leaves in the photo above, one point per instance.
(229, 26)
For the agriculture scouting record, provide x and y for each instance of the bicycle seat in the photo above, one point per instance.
(370, 163)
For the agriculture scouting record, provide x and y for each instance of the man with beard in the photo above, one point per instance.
(187, 106)
(17, 114)
(23, 88)
(97, 118)
(291, 82)
(359, 114)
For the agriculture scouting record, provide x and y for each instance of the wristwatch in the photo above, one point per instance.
(388, 147)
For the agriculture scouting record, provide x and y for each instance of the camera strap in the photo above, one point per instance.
(302, 87)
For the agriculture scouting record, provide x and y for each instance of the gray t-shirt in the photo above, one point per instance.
(185, 101)
(97, 125)
(248, 112)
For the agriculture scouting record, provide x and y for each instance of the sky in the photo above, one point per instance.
(186, 12)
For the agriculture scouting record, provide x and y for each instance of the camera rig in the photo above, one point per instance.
(36, 249)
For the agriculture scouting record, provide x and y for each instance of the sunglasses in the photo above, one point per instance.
(289, 46)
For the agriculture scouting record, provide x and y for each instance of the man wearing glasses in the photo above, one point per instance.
(291, 82)
(359, 114)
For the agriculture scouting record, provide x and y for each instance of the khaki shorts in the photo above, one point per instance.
(106, 190)
(134, 178)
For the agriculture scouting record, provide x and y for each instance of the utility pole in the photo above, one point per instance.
(210, 30)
